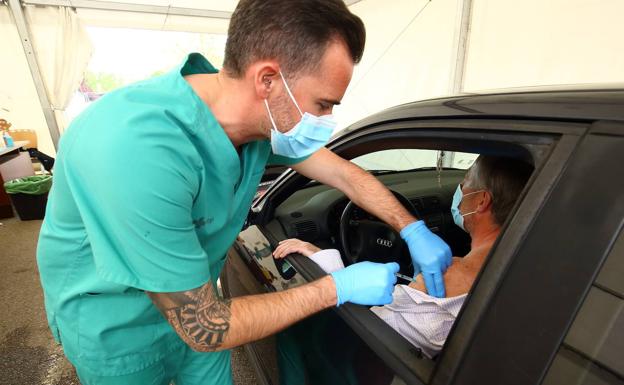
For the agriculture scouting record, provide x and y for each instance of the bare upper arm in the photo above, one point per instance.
(457, 280)
(419, 284)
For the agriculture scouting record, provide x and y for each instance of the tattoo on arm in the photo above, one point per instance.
(199, 316)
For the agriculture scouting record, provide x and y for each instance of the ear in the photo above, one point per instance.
(485, 202)
(265, 76)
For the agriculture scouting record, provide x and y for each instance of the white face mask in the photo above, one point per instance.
(306, 137)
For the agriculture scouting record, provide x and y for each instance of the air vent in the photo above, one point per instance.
(418, 204)
(431, 203)
(435, 220)
(306, 230)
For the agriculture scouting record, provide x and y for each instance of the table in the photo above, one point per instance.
(18, 144)
(6, 211)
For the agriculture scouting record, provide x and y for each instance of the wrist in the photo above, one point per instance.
(329, 291)
(311, 250)
(412, 227)
(404, 221)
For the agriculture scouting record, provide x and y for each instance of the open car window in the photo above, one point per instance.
(302, 210)
(402, 159)
(313, 214)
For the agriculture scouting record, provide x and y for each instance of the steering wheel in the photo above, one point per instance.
(374, 240)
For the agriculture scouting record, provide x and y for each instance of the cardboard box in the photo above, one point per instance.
(16, 166)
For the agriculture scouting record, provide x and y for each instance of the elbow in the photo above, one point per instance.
(204, 344)
(204, 348)
(201, 348)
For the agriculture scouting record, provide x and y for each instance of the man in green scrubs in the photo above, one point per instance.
(153, 183)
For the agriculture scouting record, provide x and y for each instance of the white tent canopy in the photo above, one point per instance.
(182, 15)
(416, 49)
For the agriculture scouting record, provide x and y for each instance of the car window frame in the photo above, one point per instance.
(525, 356)
(548, 143)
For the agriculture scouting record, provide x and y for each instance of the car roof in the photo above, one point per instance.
(568, 105)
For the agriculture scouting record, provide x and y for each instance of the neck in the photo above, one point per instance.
(483, 236)
(229, 103)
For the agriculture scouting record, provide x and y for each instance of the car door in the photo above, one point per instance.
(548, 307)
(548, 144)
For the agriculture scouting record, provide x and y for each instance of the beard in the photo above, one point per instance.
(285, 113)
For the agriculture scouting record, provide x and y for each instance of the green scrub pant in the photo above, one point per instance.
(182, 367)
(307, 353)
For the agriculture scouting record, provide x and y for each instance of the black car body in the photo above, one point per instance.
(547, 307)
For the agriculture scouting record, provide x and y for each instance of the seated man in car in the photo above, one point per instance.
(480, 206)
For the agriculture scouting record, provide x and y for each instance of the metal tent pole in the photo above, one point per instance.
(16, 10)
(461, 38)
(138, 8)
(459, 58)
(22, 28)
(143, 8)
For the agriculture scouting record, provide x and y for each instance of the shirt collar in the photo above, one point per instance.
(196, 63)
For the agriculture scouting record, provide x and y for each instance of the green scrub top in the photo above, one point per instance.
(149, 193)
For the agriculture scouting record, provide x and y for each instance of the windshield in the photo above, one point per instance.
(408, 159)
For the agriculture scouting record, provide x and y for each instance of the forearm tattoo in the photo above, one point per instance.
(199, 316)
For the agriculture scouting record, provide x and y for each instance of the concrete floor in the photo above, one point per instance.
(28, 354)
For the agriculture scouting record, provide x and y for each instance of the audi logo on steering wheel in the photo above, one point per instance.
(384, 242)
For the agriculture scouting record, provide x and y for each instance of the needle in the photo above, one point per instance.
(405, 277)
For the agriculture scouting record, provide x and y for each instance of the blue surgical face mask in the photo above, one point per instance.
(306, 137)
(458, 217)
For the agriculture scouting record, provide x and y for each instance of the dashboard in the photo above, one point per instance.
(313, 213)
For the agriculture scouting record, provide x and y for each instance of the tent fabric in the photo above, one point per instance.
(102, 18)
(406, 60)
(410, 49)
(214, 5)
(63, 50)
(19, 103)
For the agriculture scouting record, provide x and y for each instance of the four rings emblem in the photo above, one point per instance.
(384, 242)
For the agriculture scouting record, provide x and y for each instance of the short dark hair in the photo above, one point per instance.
(294, 32)
(504, 178)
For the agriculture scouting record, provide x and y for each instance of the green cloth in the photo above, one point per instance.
(149, 194)
(31, 185)
(317, 351)
(184, 367)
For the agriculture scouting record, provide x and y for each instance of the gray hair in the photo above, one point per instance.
(504, 178)
(294, 32)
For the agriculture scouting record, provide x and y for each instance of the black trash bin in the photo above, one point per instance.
(29, 195)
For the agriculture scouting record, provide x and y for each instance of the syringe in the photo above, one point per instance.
(405, 277)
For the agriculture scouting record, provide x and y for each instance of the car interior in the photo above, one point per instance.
(423, 174)
(423, 180)
(325, 216)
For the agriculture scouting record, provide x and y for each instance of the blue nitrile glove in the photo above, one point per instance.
(365, 283)
(431, 256)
